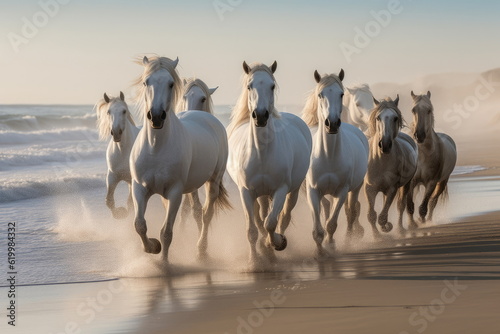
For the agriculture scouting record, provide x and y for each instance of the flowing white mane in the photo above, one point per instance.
(190, 83)
(240, 113)
(103, 121)
(310, 111)
(154, 64)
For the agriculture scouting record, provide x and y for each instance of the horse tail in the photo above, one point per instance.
(222, 202)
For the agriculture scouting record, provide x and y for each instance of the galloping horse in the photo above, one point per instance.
(268, 158)
(196, 96)
(358, 102)
(114, 119)
(392, 162)
(339, 157)
(175, 155)
(437, 156)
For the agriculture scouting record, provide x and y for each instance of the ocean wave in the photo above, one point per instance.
(9, 137)
(37, 155)
(22, 189)
(26, 123)
(461, 170)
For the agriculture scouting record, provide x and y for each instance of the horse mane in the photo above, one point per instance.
(156, 63)
(425, 102)
(387, 103)
(103, 122)
(190, 83)
(310, 111)
(240, 113)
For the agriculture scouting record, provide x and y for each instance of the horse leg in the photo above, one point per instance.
(248, 199)
(325, 203)
(140, 197)
(371, 195)
(314, 201)
(352, 210)
(286, 215)
(422, 210)
(212, 192)
(440, 188)
(385, 225)
(172, 201)
(130, 202)
(275, 239)
(403, 193)
(331, 224)
(111, 182)
(192, 200)
(410, 206)
(261, 208)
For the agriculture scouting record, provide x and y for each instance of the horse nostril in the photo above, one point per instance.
(120, 132)
(149, 115)
(254, 115)
(112, 133)
(327, 122)
(380, 144)
(267, 114)
(163, 115)
(338, 123)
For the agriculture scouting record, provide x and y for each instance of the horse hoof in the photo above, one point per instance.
(413, 226)
(120, 213)
(387, 227)
(283, 244)
(155, 247)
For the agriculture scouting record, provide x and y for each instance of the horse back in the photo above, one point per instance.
(448, 155)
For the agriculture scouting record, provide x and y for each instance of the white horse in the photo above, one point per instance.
(175, 155)
(268, 158)
(114, 119)
(392, 162)
(196, 96)
(358, 102)
(437, 156)
(339, 158)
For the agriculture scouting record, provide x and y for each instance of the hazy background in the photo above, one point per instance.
(86, 48)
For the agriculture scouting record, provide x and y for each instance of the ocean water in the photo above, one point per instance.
(52, 185)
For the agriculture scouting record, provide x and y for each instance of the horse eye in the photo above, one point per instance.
(378, 118)
(124, 111)
(144, 83)
(108, 112)
(395, 119)
(248, 87)
(342, 95)
(203, 99)
(171, 85)
(273, 86)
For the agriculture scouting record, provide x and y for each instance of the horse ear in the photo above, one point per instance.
(317, 76)
(429, 94)
(376, 101)
(396, 101)
(274, 66)
(341, 74)
(145, 60)
(106, 98)
(246, 68)
(122, 96)
(212, 90)
(413, 95)
(176, 61)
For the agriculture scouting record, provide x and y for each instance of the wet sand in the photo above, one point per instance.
(440, 279)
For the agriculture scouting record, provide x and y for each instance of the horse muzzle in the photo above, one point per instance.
(260, 119)
(117, 135)
(332, 128)
(385, 146)
(419, 136)
(157, 120)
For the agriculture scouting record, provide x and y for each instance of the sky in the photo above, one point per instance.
(72, 51)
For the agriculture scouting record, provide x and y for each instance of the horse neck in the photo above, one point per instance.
(262, 137)
(328, 144)
(158, 138)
